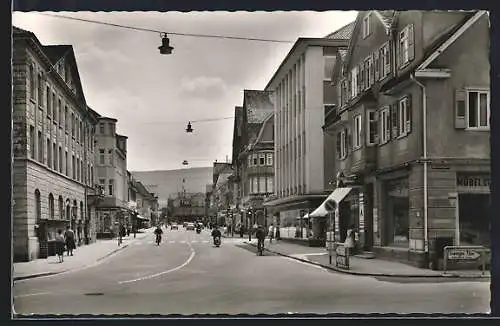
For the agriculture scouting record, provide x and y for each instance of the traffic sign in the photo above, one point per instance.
(463, 254)
(330, 205)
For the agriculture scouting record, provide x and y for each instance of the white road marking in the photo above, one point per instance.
(304, 263)
(205, 241)
(194, 241)
(171, 241)
(164, 272)
(182, 241)
(31, 294)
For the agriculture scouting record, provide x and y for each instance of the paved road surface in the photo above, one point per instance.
(187, 275)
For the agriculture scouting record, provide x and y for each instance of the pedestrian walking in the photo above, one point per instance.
(350, 240)
(60, 242)
(271, 233)
(69, 236)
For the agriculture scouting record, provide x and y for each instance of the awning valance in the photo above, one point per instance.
(139, 217)
(337, 195)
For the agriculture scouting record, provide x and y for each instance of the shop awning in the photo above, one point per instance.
(337, 195)
(303, 217)
(139, 217)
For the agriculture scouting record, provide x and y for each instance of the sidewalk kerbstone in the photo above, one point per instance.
(310, 255)
(84, 256)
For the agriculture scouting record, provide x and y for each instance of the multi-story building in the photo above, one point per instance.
(220, 197)
(412, 127)
(188, 207)
(147, 205)
(302, 90)
(53, 146)
(112, 177)
(253, 154)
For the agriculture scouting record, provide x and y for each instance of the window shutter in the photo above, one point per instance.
(399, 51)
(372, 71)
(409, 111)
(394, 120)
(460, 96)
(358, 78)
(349, 86)
(411, 43)
(376, 58)
(366, 74)
(339, 139)
(388, 62)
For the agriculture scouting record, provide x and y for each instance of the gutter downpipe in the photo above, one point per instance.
(424, 136)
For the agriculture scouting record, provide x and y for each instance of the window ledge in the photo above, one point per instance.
(477, 129)
(402, 136)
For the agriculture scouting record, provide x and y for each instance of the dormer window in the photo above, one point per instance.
(366, 25)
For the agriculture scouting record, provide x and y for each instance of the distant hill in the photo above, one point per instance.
(167, 183)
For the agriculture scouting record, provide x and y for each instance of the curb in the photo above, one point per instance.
(26, 277)
(447, 275)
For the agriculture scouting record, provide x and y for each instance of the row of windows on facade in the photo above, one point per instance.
(102, 128)
(394, 121)
(55, 158)
(261, 185)
(74, 125)
(261, 159)
(376, 67)
(65, 211)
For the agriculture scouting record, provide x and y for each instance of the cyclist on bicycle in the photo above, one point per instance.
(158, 233)
(260, 234)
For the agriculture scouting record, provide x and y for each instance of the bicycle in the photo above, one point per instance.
(260, 248)
(120, 240)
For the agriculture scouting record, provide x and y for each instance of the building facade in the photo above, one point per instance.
(53, 148)
(112, 177)
(412, 128)
(253, 152)
(303, 93)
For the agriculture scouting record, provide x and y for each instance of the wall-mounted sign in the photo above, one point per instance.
(361, 213)
(473, 182)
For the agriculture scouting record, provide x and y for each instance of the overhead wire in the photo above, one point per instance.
(192, 121)
(165, 32)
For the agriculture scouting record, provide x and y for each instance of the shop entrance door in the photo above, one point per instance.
(473, 219)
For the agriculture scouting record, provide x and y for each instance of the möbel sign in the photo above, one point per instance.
(463, 254)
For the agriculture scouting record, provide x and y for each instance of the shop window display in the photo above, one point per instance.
(473, 219)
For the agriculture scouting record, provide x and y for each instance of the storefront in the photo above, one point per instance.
(396, 217)
(473, 203)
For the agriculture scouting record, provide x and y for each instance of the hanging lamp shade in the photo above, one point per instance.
(165, 47)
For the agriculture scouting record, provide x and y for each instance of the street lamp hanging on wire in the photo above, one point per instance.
(189, 128)
(165, 47)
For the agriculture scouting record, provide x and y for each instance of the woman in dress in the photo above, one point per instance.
(60, 242)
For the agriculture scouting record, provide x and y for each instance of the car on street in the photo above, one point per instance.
(190, 226)
(174, 226)
(184, 225)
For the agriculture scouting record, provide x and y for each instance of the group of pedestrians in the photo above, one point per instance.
(65, 242)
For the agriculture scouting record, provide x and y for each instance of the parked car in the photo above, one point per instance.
(190, 226)
(174, 226)
(184, 225)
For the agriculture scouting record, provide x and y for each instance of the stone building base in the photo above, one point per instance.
(402, 255)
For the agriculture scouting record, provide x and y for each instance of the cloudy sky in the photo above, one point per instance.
(154, 96)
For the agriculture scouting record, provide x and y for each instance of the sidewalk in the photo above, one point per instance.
(83, 256)
(360, 266)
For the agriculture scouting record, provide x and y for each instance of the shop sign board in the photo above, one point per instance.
(342, 256)
(465, 254)
(473, 182)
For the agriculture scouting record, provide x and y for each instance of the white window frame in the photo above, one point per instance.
(369, 142)
(263, 157)
(255, 185)
(102, 153)
(366, 25)
(385, 126)
(385, 54)
(270, 184)
(262, 185)
(358, 127)
(249, 158)
(269, 159)
(404, 45)
(467, 108)
(403, 125)
(343, 147)
(111, 187)
(255, 160)
(369, 71)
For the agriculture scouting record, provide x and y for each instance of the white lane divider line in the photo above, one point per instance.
(171, 241)
(194, 241)
(205, 241)
(164, 272)
(31, 294)
(182, 241)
